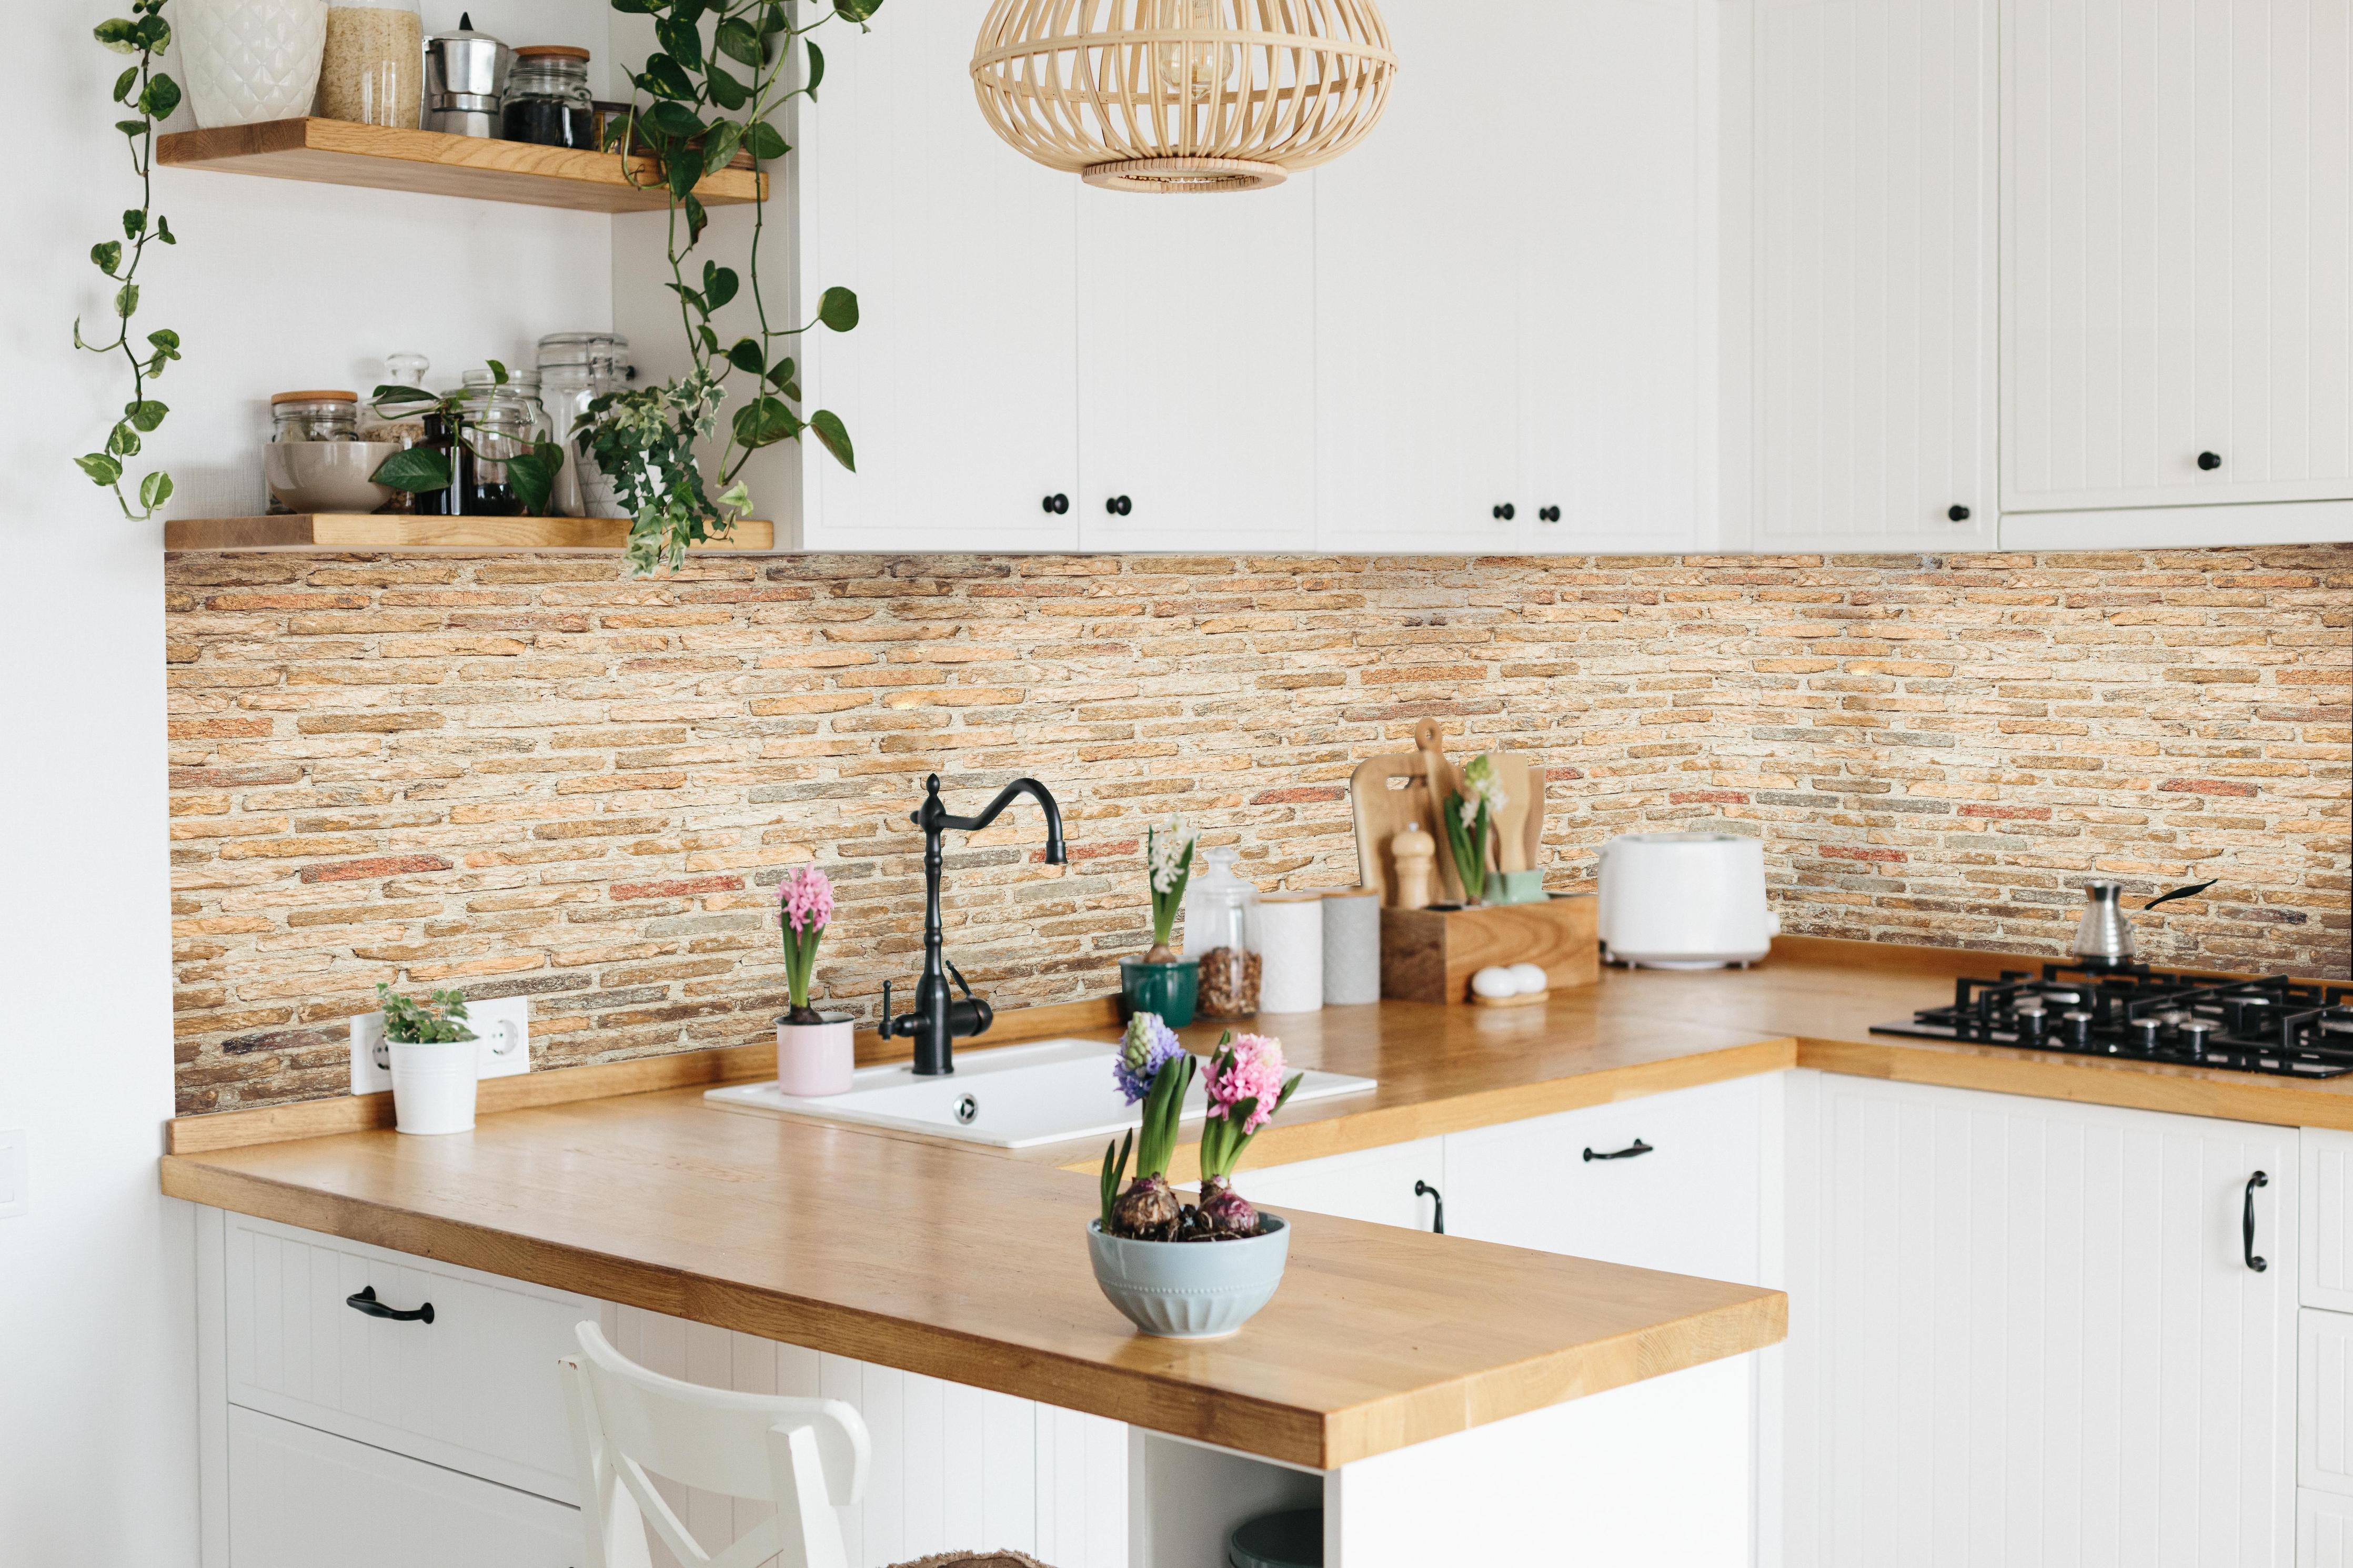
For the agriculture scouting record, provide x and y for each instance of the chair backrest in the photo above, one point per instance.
(808, 1457)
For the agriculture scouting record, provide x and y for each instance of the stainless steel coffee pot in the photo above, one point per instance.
(2104, 939)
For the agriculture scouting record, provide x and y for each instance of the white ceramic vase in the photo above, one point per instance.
(246, 61)
(433, 1086)
(815, 1059)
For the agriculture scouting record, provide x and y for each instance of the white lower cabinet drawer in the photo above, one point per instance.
(475, 1389)
(2323, 1401)
(1372, 1185)
(304, 1499)
(2323, 1530)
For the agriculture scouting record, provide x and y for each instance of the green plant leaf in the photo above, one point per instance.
(663, 78)
(101, 469)
(697, 219)
(675, 120)
(154, 491)
(118, 34)
(533, 474)
(164, 231)
(782, 371)
(146, 413)
(167, 341)
(725, 90)
(682, 172)
(838, 310)
(498, 372)
(836, 437)
(681, 40)
(126, 300)
(763, 422)
(740, 42)
(856, 10)
(122, 440)
(134, 223)
(414, 469)
(134, 129)
(125, 83)
(162, 97)
(106, 257)
(816, 68)
(773, 20)
(767, 143)
(152, 32)
(747, 357)
(719, 149)
(720, 284)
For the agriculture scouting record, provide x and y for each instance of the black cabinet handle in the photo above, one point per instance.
(1438, 1221)
(365, 1301)
(1506, 512)
(1958, 513)
(1549, 514)
(1057, 504)
(2247, 1225)
(1119, 506)
(1631, 1150)
(2210, 461)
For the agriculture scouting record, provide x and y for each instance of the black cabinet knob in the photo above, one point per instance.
(1057, 505)
(1119, 506)
(1958, 513)
(1505, 512)
(2210, 461)
(1550, 514)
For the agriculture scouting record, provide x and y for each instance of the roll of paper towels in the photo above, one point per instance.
(1352, 947)
(1291, 946)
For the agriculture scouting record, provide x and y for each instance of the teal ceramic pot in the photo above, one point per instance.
(1168, 989)
(1190, 1290)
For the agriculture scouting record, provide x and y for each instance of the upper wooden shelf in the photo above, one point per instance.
(339, 152)
(381, 532)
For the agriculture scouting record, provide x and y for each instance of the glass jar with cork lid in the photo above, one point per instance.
(548, 102)
(1221, 932)
(374, 69)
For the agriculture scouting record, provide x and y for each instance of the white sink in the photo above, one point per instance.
(1014, 1097)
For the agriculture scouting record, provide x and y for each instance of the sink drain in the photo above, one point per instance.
(968, 1111)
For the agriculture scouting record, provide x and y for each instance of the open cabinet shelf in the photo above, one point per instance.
(342, 532)
(339, 152)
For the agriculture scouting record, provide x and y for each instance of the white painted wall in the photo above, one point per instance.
(273, 286)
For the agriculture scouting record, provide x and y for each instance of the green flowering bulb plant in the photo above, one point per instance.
(1470, 818)
(1168, 858)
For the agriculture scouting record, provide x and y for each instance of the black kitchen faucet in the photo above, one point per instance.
(939, 1020)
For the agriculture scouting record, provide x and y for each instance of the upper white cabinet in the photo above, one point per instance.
(2177, 270)
(1872, 405)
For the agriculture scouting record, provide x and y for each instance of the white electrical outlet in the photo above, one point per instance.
(501, 1043)
(14, 1194)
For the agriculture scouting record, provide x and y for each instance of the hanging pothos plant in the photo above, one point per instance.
(706, 95)
(151, 96)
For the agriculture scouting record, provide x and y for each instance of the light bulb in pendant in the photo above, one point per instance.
(1194, 71)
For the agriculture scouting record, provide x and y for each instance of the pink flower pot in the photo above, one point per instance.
(815, 1059)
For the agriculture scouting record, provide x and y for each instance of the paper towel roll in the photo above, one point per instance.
(1290, 945)
(1352, 947)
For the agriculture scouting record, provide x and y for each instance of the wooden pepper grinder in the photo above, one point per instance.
(1416, 855)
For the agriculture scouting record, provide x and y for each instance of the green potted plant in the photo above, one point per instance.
(433, 1065)
(1179, 1270)
(1470, 819)
(1161, 982)
(815, 1053)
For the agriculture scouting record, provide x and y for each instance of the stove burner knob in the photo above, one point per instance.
(2031, 1024)
(2244, 1015)
(2144, 1033)
(2079, 1027)
(2195, 1032)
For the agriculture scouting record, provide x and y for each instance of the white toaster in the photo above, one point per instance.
(1685, 900)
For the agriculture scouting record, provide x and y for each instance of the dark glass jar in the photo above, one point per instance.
(450, 502)
(547, 100)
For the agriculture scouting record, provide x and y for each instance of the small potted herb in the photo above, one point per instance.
(1161, 982)
(434, 1063)
(1186, 1270)
(815, 1053)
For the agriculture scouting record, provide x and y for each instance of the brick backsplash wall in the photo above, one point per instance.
(535, 776)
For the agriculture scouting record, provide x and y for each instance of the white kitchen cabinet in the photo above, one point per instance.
(1669, 1181)
(2324, 1401)
(1373, 1184)
(2327, 1165)
(2025, 1330)
(300, 1498)
(2323, 1530)
(1872, 383)
(2177, 275)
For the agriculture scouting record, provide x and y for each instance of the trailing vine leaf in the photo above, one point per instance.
(153, 95)
(532, 476)
(829, 427)
(416, 469)
(838, 310)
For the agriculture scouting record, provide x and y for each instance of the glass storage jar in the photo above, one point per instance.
(497, 422)
(395, 427)
(548, 101)
(574, 370)
(1221, 932)
(373, 70)
(314, 417)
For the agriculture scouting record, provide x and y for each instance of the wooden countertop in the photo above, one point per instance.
(967, 1263)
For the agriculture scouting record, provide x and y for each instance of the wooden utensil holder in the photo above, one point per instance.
(1430, 955)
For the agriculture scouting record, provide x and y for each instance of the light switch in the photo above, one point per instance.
(13, 1193)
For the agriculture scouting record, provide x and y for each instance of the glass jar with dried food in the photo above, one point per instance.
(314, 417)
(575, 369)
(1222, 930)
(498, 422)
(373, 70)
(548, 101)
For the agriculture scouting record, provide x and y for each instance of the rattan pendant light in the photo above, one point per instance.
(1183, 95)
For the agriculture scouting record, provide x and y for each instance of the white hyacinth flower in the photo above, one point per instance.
(1166, 854)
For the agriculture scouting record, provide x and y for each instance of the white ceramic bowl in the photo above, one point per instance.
(327, 476)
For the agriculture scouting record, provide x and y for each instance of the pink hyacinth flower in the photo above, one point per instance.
(1254, 1072)
(807, 898)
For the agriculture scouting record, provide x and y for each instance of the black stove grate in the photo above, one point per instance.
(2289, 1028)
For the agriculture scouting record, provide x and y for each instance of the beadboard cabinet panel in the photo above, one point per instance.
(1873, 376)
(2323, 1530)
(2324, 1405)
(2178, 238)
(959, 385)
(2326, 1277)
(2024, 1330)
(1196, 340)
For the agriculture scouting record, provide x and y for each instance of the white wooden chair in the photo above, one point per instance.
(808, 1457)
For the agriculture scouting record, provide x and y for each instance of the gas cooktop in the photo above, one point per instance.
(2295, 1029)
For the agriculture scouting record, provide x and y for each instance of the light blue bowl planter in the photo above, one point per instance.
(1190, 1290)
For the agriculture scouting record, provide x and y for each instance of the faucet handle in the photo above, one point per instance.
(957, 975)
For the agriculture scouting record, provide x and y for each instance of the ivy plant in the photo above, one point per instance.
(710, 91)
(151, 96)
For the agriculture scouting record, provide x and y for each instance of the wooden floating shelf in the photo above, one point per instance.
(339, 152)
(377, 531)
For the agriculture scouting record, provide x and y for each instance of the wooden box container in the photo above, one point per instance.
(1430, 955)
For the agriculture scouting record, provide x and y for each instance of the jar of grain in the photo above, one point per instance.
(374, 72)
(1222, 930)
